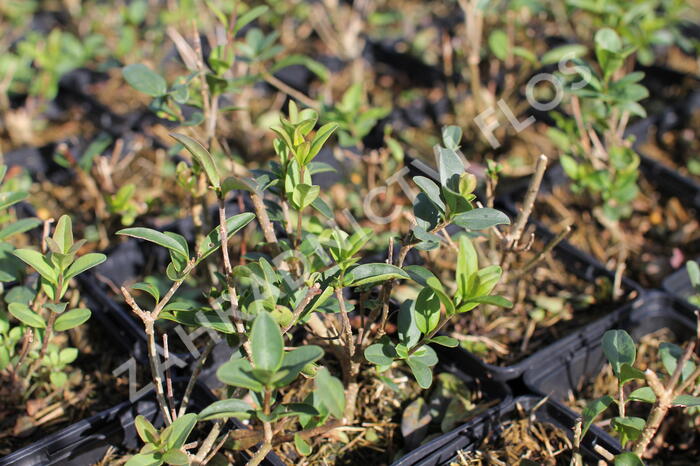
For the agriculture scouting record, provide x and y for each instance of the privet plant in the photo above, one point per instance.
(301, 277)
(35, 311)
(676, 388)
(507, 248)
(595, 154)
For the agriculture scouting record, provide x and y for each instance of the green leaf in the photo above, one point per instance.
(693, 273)
(301, 445)
(608, 50)
(452, 136)
(205, 318)
(481, 219)
(427, 308)
(241, 183)
(524, 52)
(629, 427)
(450, 168)
(373, 273)
(202, 156)
(619, 348)
(25, 315)
(314, 66)
(37, 261)
(594, 409)
(249, 16)
(83, 263)
(607, 39)
(212, 241)
(180, 306)
(424, 277)
(320, 138)
(292, 409)
(67, 355)
(225, 409)
(20, 226)
(444, 340)
(381, 354)
(467, 268)
(499, 44)
(294, 362)
(145, 459)
(628, 373)
(568, 52)
(20, 294)
(4, 357)
(431, 190)
(304, 195)
(8, 199)
(628, 459)
(330, 392)
(422, 372)
(58, 379)
(72, 319)
(176, 457)
(426, 355)
(670, 354)
(63, 234)
(468, 304)
(157, 237)
(686, 400)
(320, 205)
(146, 431)
(408, 331)
(268, 345)
(175, 435)
(149, 288)
(145, 80)
(237, 372)
(645, 394)
(427, 214)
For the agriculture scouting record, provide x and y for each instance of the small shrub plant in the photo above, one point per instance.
(674, 389)
(35, 311)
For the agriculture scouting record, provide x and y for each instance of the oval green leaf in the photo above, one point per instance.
(72, 319)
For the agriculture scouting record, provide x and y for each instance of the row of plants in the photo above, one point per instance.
(354, 302)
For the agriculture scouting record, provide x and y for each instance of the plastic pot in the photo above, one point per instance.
(578, 358)
(469, 436)
(87, 441)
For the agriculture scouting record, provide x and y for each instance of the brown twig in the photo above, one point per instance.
(168, 379)
(310, 294)
(263, 218)
(228, 270)
(193, 377)
(267, 432)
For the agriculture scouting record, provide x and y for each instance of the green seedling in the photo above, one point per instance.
(355, 119)
(663, 392)
(33, 314)
(600, 162)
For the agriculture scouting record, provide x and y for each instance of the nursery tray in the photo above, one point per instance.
(678, 284)
(580, 356)
(87, 441)
(442, 450)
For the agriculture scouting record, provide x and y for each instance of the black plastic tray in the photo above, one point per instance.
(469, 436)
(579, 357)
(678, 284)
(87, 441)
